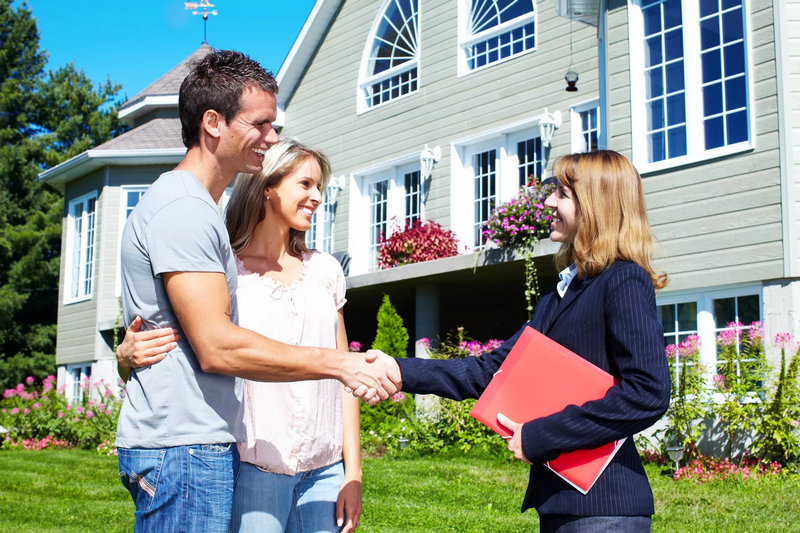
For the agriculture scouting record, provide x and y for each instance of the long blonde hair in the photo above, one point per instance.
(611, 217)
(246, 205)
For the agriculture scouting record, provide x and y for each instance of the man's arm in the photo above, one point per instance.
(202, 304)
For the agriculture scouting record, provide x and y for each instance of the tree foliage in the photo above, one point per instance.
(45, 118)
(392, 336)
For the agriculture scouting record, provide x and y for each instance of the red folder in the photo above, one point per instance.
(538, 378)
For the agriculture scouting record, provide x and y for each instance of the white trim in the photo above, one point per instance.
(69, 257)
(695, 151)
(791, 232)
(123, 208)
(466, 38)
(576, 126)
(141, 107)
(365, 79)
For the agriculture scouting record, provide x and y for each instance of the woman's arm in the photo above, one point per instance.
(142, 348)
(349, 501)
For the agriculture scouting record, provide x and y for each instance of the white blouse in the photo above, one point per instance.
(293, 427)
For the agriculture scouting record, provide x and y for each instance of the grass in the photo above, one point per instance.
(73, 490)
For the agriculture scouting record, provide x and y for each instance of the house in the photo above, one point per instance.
(432, 109)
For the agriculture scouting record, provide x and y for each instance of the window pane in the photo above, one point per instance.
(672, 14)
(724, 312)
(655, 114)
(652, 19)
(712, 66)
(687, 316)
(735, 94)
(676, 110)
(714, 133)
(677, 141)
(656, 146)
(732, 26)
(655, 83)
(734, 59)
(749, 310)
(712, 99)
(737, 127)
(709, 33)
(666, 315)
(727, 4)
(707, 7)
(674, 77)
(652, 51)
(673, 44)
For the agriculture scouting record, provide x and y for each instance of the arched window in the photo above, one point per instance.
(495, 30)
(389, 68)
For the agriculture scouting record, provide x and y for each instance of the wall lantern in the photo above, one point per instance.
(427, 158)
(335, 186)
(548, 125)
(572, 79)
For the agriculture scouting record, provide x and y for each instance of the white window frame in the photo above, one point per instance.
(366, 79)
(83, 371)
(695, 140)
(504, 140)
(359, 224)
(466, 38)
(322, 240)
(81, 247)
(706, 325)
(123, 209)
(577, 144)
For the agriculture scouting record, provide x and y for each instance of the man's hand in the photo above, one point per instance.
(515, 442)
(378, 377)
(143, 348)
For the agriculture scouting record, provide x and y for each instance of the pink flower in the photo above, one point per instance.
(89, 414)
(26, 411)
(108, 412)
(399, 397)
(671, 351)
(14, 410)
(719, 381)
(101, 407)
(29, 380)
(75, 419)
(756, 332)
(4, 409)
(80, 410)
(107, 393)
(8, 393)
(20, 387)
(426, 342)
(729, 337)
(355, 346)
(60, 414)
(36, 405)
(783, 340)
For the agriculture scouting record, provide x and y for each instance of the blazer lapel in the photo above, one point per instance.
(576, 287)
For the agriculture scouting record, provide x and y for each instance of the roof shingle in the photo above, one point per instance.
(154, 134)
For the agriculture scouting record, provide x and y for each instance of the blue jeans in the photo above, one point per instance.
(275, 503)
(563, 523)
(183, 488)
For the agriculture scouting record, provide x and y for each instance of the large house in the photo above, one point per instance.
(436, 110)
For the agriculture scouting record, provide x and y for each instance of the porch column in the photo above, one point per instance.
(427, 313)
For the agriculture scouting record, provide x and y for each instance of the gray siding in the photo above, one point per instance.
(719, 221)
(446, 108)
(77, 322)
(792, 70)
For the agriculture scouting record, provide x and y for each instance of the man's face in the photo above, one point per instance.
(249, 134)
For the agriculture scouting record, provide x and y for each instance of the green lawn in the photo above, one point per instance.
(79, 491)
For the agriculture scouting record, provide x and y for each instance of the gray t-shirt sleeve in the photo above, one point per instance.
(186, 236)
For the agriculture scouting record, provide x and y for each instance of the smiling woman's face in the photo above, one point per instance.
(565, 210)
(297, 196)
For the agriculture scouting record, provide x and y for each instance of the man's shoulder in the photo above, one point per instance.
(176, 193)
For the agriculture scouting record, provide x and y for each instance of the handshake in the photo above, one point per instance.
(372, 376)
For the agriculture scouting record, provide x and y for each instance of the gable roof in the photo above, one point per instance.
(307, 42)
(164, 91)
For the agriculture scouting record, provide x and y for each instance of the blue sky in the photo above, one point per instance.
(134, 43)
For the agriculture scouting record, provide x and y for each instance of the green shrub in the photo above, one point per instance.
(392, 336)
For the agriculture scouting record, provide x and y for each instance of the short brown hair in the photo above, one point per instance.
(217, 82)
(611, 218)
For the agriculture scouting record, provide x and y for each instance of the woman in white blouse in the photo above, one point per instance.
(301, 464)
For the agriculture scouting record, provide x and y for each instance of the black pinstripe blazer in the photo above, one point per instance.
(610, 320)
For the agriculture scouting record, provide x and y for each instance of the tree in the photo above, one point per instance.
(392, 336)
(44, 120)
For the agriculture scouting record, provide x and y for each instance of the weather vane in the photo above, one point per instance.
(205, 4)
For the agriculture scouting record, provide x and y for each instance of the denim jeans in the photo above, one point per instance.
(276, 503)
(183, 488)
(562, 523)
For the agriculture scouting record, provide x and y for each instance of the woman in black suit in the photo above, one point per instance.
(603, 309)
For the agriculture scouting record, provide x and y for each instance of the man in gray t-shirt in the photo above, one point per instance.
(183, 414)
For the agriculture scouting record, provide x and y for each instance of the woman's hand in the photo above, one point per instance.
(515, 442)
(142, 348)
(349, 503)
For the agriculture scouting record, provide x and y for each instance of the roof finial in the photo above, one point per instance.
(205, 5)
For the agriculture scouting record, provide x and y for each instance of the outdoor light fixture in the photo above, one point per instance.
(403, 442)
(335, 186)
(675, 453)
(572, 79)
(548, 125)
(427, 159)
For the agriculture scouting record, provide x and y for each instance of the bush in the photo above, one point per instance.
(522, 219)
(42, 418)
(392, 336)
(417, 242)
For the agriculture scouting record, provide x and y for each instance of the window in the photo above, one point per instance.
(689, 81)
(320, 234)
(585, 125)
(79, 383)
(494, 30)
(80, 247)
(383, 199)
(489, 169)
(390, 65)
(708, 314)
(129, 198)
